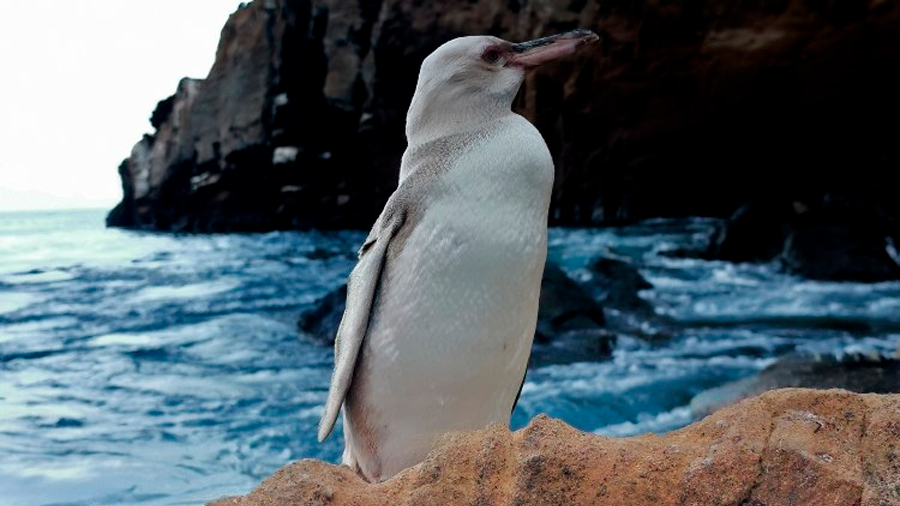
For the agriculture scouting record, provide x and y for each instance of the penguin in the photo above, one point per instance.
(442, 303)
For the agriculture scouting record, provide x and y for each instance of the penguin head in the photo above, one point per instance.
(472, 79)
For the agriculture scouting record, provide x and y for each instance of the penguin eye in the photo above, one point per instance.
(491, 55)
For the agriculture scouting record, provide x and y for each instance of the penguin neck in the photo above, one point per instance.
(433, 114)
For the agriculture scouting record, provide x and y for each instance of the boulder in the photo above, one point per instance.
(788, 447)
(571, 324)
(618, 282)
(839, 253)
(615, 283)
(322, 320)
(754, 233)
(838, 239)
(565, 306)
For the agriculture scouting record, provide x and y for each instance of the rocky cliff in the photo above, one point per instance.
(688, 108)
(788, 447)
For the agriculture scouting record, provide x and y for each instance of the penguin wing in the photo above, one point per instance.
(360, 296)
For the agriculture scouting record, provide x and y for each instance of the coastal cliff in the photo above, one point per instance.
(793, 446)
(686, 108)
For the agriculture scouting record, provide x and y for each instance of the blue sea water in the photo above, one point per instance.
(145, 368)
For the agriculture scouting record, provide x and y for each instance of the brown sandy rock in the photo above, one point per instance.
(786, 447)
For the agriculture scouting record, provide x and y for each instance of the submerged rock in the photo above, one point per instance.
(616, 284)
(798, 447)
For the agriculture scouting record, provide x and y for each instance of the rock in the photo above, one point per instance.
(619, 283)
(577, 345)
(839, 253)
(615, 283)
(571, 324)
(792, 100)
(321, 322)
(565, 306)
(797, 447)
(254, 146)
(754, 233)
(837, 239)
(856, 374)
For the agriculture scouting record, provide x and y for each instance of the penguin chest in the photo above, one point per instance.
(461, 295)
(483, 276)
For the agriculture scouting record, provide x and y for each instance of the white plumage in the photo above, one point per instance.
(442, 306)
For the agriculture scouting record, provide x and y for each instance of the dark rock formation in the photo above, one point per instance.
(273, 138)
(321, 322)
(839, 253)
(615, 283)
(789, 447)
(690, 108)
(570, 323)
(619, 283)
(754, 233)
(565, 306)
(833, 241)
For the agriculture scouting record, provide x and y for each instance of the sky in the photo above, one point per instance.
(78, 82)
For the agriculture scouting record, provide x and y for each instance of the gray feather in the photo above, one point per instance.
(352, 331)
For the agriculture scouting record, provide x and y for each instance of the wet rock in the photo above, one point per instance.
(615, 283)
(619, 282)
(835, 239)
(756, 232)
(320, 323)
(862, 374)
(571, 324)
(839, 253)
(300, 121)
(565, 306)
(578, 345)
(794, 446)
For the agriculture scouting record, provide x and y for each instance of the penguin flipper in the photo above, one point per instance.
(361, 289)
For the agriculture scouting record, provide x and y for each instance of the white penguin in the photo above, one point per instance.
(442, 304)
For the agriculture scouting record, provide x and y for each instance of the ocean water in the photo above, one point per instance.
(144, 368)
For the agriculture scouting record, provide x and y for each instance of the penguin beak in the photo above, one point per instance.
(530, 54)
